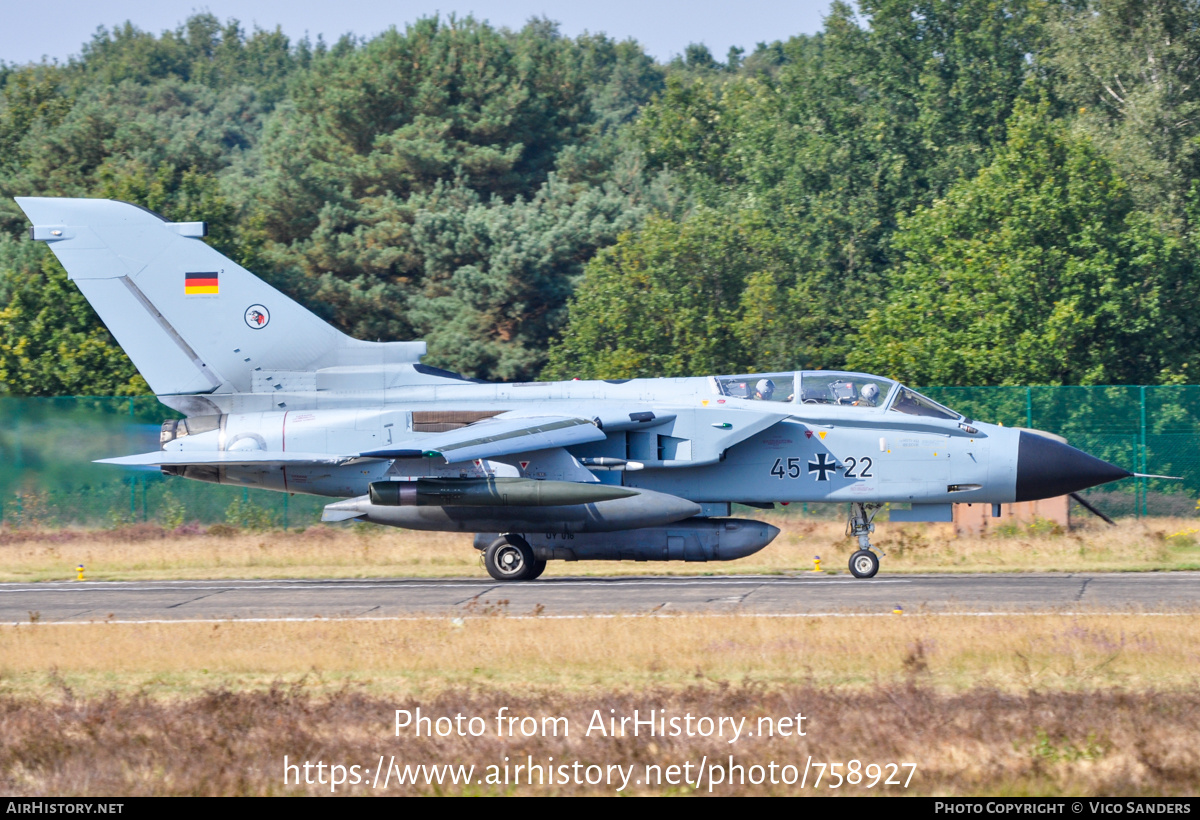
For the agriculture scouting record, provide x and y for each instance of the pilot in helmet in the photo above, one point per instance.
(764, 389)
(868, 395)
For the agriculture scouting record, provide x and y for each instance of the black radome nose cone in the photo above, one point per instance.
(1047, 468)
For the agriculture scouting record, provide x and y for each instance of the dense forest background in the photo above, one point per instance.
(953, 192)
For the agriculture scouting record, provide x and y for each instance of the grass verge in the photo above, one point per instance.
(1096, 704)
(978, 742)
(1011, 653)
(147, 552)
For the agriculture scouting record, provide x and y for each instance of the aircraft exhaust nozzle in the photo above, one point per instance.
(491, 492)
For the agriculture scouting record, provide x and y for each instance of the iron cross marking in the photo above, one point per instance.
(823, 466)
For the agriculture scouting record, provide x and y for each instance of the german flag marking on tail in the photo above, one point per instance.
(200, 284)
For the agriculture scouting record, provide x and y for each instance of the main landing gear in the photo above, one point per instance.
(864, 563)
(510, 558)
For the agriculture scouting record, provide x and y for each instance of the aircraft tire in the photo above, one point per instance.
(864, 564)
(537, 569)
(510, 558)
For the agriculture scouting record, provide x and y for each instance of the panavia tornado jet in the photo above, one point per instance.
(631, 469)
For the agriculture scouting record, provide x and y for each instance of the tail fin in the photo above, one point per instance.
(192, 320)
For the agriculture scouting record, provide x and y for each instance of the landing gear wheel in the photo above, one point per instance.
(510, 558)
(864, 564)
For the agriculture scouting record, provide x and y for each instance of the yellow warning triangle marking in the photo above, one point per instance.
(822, 435)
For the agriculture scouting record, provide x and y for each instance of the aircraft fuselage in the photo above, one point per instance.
(814, 453)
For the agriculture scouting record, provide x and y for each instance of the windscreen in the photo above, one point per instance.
(914, 404)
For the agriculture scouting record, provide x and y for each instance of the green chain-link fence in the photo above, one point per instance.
(47, 447)
(1143, 429)
(47, 477)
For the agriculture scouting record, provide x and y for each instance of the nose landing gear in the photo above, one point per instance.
(864, 563)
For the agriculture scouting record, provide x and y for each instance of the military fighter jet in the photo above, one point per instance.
(628, 469)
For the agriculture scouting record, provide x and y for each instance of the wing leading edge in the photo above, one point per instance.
(500, 436)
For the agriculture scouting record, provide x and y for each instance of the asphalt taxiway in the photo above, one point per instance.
(808, 594)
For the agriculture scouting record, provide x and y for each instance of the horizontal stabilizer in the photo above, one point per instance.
(487, 439)
(161, 458)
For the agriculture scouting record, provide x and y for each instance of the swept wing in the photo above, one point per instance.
(500, 436)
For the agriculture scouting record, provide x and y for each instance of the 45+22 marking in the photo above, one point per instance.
(822, 467)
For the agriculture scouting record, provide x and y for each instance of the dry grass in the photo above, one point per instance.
(146, 552)
(1101, 704)
(1149, 544)
(981, 742)
(1097, 704)
(423, 656)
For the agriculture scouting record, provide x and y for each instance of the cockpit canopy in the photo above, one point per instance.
(827, 387)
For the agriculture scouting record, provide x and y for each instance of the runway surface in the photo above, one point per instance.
(84, 601)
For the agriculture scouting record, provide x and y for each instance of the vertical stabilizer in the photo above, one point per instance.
(192, 320)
